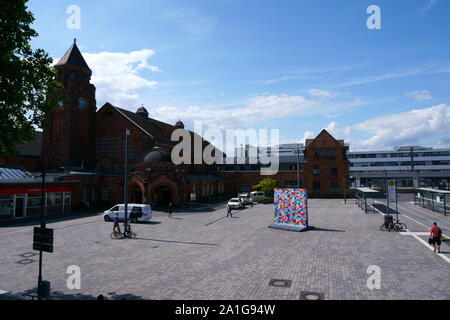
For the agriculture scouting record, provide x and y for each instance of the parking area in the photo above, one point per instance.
(205, 255)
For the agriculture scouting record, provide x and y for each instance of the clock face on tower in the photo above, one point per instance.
(82, 104)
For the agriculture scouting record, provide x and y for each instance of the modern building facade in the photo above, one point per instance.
(412, 166)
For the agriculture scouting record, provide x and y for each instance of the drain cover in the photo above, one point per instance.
(25, 261)
(280, 283)
(27, 254)
(307, 295)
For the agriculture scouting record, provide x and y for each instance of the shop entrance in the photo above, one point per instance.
(20, 206)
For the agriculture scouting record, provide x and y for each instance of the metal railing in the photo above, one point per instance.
(432, 204)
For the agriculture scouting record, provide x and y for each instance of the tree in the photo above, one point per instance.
(28, 87)
(267, 185)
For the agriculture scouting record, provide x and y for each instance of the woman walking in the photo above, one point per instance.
(170, 210)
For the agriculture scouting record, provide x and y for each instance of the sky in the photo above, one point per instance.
(298, 66)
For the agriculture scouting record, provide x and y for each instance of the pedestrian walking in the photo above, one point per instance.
(251, 202)
(170, 210)
(435, 236)
(229, 211)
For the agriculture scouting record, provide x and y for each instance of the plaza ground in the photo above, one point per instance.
(205, 255)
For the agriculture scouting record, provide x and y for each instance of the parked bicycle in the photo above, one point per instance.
(127, 234)
(391, 224)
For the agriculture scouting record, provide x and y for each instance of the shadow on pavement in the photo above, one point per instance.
(58, 295)
(327, 230)
(59, 217)
(383, 208)
(174, 241)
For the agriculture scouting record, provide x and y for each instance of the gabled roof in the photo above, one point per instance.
(32, 148)
(73, 58)
(323, 132)
(158, 130)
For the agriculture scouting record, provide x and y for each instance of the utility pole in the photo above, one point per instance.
(387, 195)
(126, 178)
(42, 227)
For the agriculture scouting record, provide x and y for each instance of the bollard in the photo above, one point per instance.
(44, 289)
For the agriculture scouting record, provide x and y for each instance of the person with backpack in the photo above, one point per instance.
(435, 236)
(229, 211)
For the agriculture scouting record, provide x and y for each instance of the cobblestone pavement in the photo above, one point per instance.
(208, 256)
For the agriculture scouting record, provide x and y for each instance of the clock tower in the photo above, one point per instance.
(69, 141)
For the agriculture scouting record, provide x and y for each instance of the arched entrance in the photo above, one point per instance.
(161, 197)
(136, 195)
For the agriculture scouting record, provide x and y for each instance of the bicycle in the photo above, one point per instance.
(127, 234)
(393, 225)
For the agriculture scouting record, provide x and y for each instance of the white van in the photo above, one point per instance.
(135, 212)
(257, 195)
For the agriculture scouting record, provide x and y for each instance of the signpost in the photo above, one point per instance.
(392, 194)
(127, 137)
(43, 239)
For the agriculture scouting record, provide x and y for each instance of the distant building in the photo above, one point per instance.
(322, 163)
(426, 166)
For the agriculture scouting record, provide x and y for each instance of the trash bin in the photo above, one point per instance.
(44, 289)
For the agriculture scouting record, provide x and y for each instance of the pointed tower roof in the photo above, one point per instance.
(73, 58)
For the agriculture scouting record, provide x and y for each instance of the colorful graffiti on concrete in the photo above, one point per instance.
(291, 207)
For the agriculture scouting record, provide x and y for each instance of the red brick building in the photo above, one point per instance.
(86, 147)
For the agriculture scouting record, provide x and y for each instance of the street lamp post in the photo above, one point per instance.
(42, 227)
(126, 178)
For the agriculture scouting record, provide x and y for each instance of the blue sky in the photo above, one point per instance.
(298, 66)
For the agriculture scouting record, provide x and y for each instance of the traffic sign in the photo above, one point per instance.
(392, 190)
(42, 246)
(43, 239)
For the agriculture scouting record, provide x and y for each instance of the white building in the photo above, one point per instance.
(410, 165)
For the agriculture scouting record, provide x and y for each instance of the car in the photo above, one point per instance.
(244, 197)
(135, 212)
(235, 203)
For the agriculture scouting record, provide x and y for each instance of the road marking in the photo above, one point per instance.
(419, 223)
(409, 233)
(431, 248)
(420, 233)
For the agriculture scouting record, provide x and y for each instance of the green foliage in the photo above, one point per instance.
(267, 185)
(28, 87)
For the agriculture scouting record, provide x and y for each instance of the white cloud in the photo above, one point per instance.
(254, 109)
(116, 75)
(308, 135)
(429, 69)
(420, 95)
(428, 6)
(429, 127)
(319, 93)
